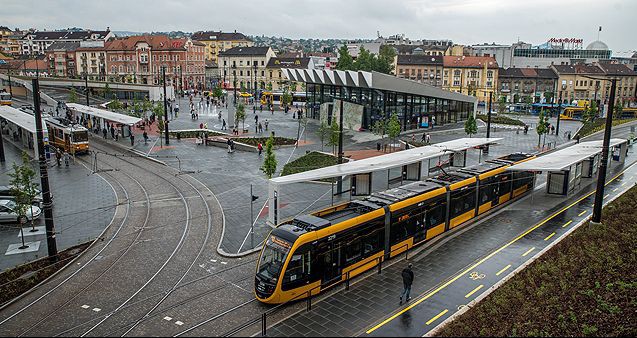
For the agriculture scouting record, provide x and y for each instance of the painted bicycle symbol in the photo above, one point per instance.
(475, 275)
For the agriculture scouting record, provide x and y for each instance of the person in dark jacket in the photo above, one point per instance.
(408, 279)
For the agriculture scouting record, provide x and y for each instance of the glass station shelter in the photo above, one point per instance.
(371, 96)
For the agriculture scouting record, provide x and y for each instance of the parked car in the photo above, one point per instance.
(6, 194)
(8, 213)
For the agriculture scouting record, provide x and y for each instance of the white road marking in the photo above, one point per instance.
(85, 306)
(96, 309)
(179, 323)
(224, 263)
(167, 318)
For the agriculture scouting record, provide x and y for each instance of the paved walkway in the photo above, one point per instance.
(83, 205)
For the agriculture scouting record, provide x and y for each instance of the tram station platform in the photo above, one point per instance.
(454, 270)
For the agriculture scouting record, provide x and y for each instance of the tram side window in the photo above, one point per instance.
(299, 269)
(436, 215)
(487, 188)
(521, 179)
(353, 251)
(372, 243)
(463, 202)
(505, 185)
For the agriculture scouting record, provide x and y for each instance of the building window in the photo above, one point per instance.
(490, 74)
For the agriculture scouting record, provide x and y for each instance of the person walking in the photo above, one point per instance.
(260, 128)
(201, 125)
(266, 124)
(260, 148)
(117, 134)
(223, 125)
(132, 140)
(408, 279)
(58, 156)
(104, 132)
(145, 137)
(112, 132)
(66, 158)
(229, 143)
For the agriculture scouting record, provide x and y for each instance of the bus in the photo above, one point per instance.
(66, 135)
(5, 99)
(629, 113)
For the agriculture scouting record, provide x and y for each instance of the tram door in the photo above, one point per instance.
(330, 257)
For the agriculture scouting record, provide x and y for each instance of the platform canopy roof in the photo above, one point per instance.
(105, 114)
(563, 159)
(372, 80)
(388, 161)
(20, 118)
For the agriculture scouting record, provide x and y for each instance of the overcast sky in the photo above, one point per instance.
(463, 21)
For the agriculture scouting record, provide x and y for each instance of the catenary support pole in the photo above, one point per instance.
(339, 186)
(163, 74)
(44, 176)
(601, 178)
(486, 147)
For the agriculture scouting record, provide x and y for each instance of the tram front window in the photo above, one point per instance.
(273, 258)
(80, 137)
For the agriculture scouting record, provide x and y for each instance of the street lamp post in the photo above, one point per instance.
(10, 87)
(601, 178)
(559, 110)
(486, 147)
(86, 86)
(163, 74)
(234, 83)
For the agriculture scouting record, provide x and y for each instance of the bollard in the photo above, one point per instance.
(347, 281)
(309, 301)
(380, 265)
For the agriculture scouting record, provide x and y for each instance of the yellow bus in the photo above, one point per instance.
(572, 113)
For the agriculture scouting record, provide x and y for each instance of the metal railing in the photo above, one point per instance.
(308, 294)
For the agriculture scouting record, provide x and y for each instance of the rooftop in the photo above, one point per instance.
(219, 36)
(68, 35)
(470, 61)
(245, 51)
(436, 60)
(541, 73)
(156, 42)
(577, 69)
(617, 69)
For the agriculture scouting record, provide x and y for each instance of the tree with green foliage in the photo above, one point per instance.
(380, 128)
(393, 128)
(502, 107)
(527, 101)
(323, 133)
(590, 113)
(115, 105)
(269, 86)
(619, 110)
(385, 60)
(269, 163)
(542, 126)
(286, 98)
(73, 96)
(548, 97)
(333, 136)
(24, 190)
(108, 93)
(471, 126)
(345, 60)
(217, 92)
(240, 115)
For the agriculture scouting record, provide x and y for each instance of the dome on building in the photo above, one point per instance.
(597, 45)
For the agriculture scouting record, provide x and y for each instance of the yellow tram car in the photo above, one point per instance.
(66, 135)
(313, 252)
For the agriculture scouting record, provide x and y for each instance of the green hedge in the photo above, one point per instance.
(599, 124)
(310, 161)
(254, 141)
(499, 119)
(584, 286)
(194, 133)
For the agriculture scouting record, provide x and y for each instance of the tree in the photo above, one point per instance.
(619, 110)
(334, 136)
(217, 92)
(115, 105)
(345, 60)
(269, 86)
(380, 128)
(24, 190)
(393, 127)
(270, 163)
(286, 98)
(502, 107)
(365, 60)
(323, 133)
(590, 113)
(542, 126)
(385, 61)
(548, 97)
(108, 93)
(471, 126)
(240, 114)
(73, 96)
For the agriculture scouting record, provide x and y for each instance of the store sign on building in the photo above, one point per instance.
(567, 42)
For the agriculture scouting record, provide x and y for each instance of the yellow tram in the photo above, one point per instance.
(5, 99)
(313, 252)
(66, 135)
